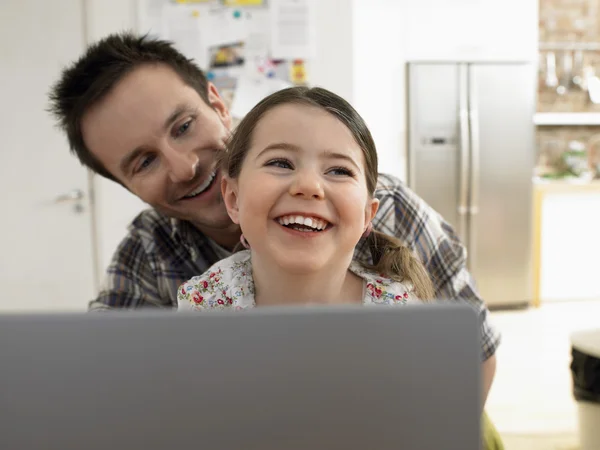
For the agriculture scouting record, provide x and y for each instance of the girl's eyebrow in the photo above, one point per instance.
(279, 146)
(331, 154)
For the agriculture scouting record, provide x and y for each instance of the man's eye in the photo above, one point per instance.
(281, 163)
(145, 163)
(182, 129)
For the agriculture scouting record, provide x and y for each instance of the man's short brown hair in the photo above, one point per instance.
(99, 69)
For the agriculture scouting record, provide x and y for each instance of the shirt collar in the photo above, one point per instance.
(188, 235)
(175, 228)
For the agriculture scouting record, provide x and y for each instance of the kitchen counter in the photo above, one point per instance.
(566, 243)
(565, 185)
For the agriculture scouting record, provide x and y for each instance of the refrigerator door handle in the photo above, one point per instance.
(463, 173)
(475, 160)
(411, 154)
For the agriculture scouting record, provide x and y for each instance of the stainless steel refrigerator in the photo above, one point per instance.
(471, 154)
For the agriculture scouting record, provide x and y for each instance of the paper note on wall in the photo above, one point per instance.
(256, 46)
(293, 30)
(250, 91)
(185, 27)
(226, 27)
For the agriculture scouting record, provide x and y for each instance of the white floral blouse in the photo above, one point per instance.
(229, 284)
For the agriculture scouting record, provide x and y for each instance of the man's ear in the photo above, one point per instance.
(371, 210)
(229, 190)
(217, 103)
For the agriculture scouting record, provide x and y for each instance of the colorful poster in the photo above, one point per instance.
(185, 2)
(244, 2)
(298, 72)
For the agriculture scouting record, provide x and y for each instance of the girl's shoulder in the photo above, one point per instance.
(226, 284)
(380, 289)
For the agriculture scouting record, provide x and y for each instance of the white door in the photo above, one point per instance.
(45, 246)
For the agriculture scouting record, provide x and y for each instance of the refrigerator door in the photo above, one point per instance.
(438, 134)
(502, 104)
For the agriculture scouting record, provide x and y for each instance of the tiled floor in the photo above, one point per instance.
(531, 401)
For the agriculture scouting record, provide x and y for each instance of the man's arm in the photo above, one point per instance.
(488, 370)
(459, 285)
(404, 214)
(456, 283)
(129, 281)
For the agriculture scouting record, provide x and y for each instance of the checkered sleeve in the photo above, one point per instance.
(405, 215)
(129, 282)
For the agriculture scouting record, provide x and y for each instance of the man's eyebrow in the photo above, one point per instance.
(332, 154)
(179, 110)
(129, 158)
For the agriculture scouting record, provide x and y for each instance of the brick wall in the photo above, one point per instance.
(553, 141)
(568, 21)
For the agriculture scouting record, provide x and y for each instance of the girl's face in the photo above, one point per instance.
(301, 198)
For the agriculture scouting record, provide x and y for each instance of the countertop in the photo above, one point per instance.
(566, 185)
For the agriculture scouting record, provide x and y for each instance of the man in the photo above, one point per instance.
(139, 113)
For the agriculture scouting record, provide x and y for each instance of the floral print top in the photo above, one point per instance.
(229, 284)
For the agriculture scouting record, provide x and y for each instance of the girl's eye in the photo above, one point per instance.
(281, 163)
(341, 171)
(182, 129)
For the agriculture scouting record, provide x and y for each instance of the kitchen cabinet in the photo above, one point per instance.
(566, 241)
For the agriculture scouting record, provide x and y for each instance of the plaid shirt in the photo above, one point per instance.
(160, 253)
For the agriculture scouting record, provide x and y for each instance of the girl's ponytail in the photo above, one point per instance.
(393, 259)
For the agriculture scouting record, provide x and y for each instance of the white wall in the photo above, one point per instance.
(378, 67)
(471, 29)
(332, 67)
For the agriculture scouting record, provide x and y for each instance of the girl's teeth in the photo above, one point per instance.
(315, 224)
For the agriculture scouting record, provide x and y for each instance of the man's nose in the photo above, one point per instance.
(307, 184)
(182, 165)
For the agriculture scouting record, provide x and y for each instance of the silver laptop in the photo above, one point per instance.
(269, 379)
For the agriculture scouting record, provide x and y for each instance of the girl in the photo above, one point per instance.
(299, 175)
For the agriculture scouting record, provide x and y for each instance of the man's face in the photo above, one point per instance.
(158, 137)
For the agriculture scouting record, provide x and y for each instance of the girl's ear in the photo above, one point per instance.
(229, 190)
(371, 210)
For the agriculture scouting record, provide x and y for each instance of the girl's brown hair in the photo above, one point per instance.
(390, 256)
